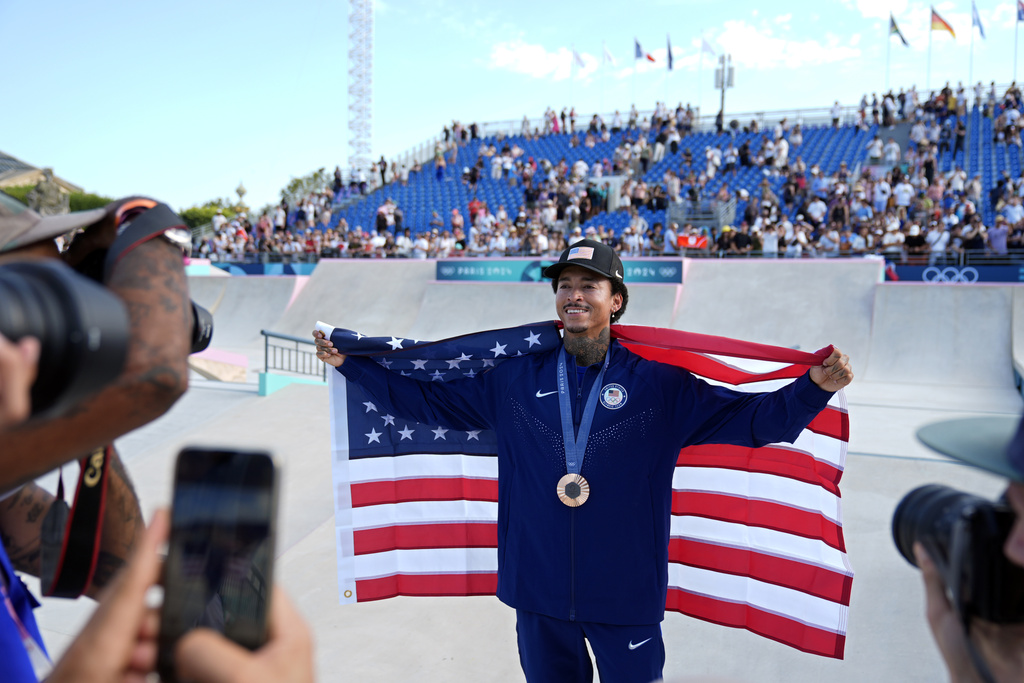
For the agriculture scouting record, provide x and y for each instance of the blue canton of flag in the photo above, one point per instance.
(1020, 10)
(374, 433)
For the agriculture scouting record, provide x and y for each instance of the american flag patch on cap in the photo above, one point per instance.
(580, 252)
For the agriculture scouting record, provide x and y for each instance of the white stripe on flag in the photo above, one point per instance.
(808, 609)
(767, 541)
(337, 388)
(757, 486)
(431, 561)
(423, 465)
(430, 512)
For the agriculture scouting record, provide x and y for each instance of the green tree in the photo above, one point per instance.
(201, 214)
(317, 181)
(78, 201)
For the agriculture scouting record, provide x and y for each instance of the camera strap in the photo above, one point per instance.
(70, 542)
(154, 220)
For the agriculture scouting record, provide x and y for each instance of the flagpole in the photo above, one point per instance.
(970, 62)
(700, 75)
(888, 50)
(928, 73)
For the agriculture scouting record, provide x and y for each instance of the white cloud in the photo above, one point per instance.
(877, 9)
(757, 48)
(536, 61)
(784, 18)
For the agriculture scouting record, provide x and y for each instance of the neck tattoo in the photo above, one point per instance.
(588, 351)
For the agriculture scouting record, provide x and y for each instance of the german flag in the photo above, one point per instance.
(940, 24)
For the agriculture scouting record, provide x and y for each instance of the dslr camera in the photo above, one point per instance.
(83, 328)
(964, 535)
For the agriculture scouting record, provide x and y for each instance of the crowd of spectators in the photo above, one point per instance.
(901, 206)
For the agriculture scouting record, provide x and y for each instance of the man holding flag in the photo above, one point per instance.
(588, 435)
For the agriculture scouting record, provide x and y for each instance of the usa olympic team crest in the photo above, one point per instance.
(613, 396)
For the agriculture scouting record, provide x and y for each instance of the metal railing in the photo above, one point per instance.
(287, 353)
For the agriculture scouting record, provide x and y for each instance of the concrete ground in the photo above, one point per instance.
(922, 353)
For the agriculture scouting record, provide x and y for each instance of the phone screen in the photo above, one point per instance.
(218, 572)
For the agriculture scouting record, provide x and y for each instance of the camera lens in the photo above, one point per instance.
(927, 514)
(82, 328)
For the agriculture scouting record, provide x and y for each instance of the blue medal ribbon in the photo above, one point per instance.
(576, 445)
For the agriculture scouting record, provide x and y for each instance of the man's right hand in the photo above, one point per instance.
(325, 350)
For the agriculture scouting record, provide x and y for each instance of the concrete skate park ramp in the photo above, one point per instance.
(799, 304)
(374, 297)
(242, 306)
(945, 335)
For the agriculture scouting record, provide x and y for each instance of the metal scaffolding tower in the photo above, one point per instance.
(360, 82)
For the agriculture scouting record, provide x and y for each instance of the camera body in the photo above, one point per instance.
(82, 326)
(964, 535)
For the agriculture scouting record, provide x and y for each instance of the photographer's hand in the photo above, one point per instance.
(205, 656)
(1002, 647)
(17, 373)
(119, 642)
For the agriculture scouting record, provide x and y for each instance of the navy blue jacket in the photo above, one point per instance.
(607, 560)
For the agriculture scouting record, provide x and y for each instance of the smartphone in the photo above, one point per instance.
(220, 557)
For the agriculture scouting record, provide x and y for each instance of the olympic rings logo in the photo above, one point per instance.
(950, 274)
(666, 271)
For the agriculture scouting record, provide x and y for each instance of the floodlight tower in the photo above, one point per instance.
(360, 82)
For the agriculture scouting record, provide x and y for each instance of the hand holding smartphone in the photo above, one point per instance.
(219, 568)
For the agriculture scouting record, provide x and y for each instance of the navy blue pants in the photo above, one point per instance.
(554, 650)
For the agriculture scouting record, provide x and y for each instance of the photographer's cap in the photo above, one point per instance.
(994, 444)
(21, 226)
(589, 254)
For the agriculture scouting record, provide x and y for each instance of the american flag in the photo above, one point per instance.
(756, 534)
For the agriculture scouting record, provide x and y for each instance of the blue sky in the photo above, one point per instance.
(184, 100)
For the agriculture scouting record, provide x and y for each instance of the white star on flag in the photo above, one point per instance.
(358, 335)
(439, 433)
(534, 338)
(474, 434)
(498, 350)
(396, 343)
(406, 433)
(436, 376)
(370, 406)
(419, 365)
(389, 420)
(385, 363)
(471, 373)
(373, 436)
(488, 362)
(453, 364)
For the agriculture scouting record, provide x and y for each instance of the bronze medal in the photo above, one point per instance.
(573, 490)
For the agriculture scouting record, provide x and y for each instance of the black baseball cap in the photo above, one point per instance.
(994, 444)
(589, 254)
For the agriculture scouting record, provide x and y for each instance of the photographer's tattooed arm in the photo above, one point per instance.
(21, 522)
(150, 280)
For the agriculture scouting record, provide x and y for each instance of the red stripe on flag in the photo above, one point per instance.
(425, 536)
(711, 368)
(794, 574)
(832, 421)
(707, 343)
(426, 585)
(782, 462)
(758, 513)
(423, 489)
(787, 631)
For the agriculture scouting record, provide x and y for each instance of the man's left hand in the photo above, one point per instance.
(834, 373)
